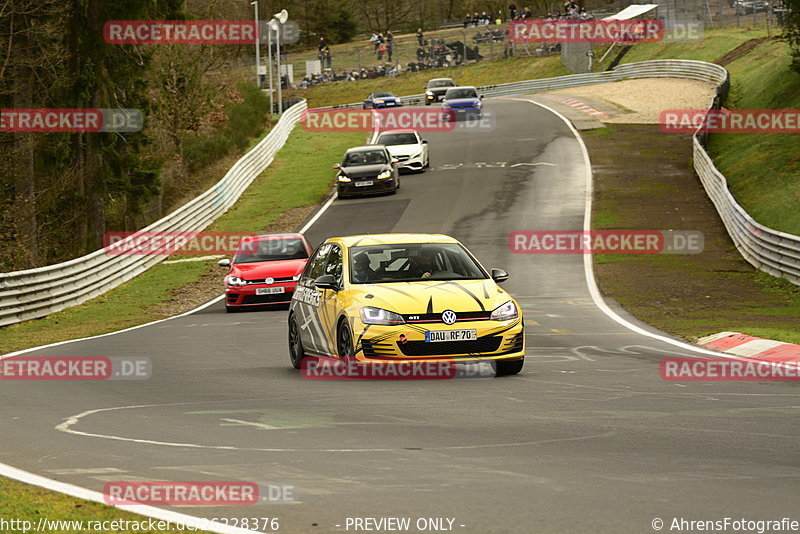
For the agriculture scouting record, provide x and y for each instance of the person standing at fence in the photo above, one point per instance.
(420, 37)
(327, 57)
(512, 11)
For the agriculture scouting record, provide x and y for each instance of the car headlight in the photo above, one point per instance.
(234, 281)
(384, 174)
(370, 315)
(296, 277)
(343, 178)
(505, 312)
(429, 93)
(415, 156)
(379, 101)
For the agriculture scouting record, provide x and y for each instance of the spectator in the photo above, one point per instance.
(389, 45)
(327, 56)
(374, 40)
(512, 11)
(467, 20)
(420, 36)
(527, 13)
(381, 51)
(321, 45)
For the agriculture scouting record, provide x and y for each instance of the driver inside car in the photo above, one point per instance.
(423, 266)
(361, 269)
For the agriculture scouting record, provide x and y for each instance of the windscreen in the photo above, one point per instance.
(375, 264)
(461, 93)
(366, 157)
(380, 94)
(398, 139)
(442, 83)
(270, 250)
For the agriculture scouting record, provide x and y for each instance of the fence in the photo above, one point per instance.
(39, 292)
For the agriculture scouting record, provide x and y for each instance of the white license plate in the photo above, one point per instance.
(362, 184)
(269, 290)
(451, 335)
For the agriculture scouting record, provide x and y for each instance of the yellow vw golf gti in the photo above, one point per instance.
(404, 298)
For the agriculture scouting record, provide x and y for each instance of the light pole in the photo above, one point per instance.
(258, 48)
(281, 17)
(269, 46)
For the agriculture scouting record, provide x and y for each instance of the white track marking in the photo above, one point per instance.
(66, 427)
(139, 509)
(318, 214)
(588, 267)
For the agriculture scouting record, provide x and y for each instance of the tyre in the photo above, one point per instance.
(344, 342)
(296, 350)
(508, 367)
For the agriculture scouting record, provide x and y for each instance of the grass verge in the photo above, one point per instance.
(25, 503)
(686, 295)
(299, 176)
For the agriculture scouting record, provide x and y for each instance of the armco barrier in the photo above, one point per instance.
(771, 251)
(39, 292)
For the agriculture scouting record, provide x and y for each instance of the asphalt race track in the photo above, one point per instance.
(587, 438)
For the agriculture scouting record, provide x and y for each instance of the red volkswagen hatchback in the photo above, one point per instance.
(265, 270)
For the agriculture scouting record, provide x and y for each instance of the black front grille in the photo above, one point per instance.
(266, 299)
(376, 350)
(515, 344)
(437, 317)
(443, 348)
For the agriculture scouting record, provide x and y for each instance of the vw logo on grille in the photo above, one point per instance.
(449, 317)
(269, 280)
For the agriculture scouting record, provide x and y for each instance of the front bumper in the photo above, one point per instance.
(497, 340)
(388, 105)
(376, 186)
(411, 164)
(245, 296)
(463, 113)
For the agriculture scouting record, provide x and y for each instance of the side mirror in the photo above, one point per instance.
(336, 166)
(499, 275)
(480, 96)
(395, 160)
(224, 262)
(326, 281)
(424, 141)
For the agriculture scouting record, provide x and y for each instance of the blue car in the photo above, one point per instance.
(382, 99)
(462, 102)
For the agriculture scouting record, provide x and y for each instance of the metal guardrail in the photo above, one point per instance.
(34, 293)
(38, 292)
(769, 250)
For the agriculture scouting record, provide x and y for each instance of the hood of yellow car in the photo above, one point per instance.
(433, 296)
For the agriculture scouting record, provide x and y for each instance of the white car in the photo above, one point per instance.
(407, 147)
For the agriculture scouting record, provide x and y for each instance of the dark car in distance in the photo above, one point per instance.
(367, 170)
